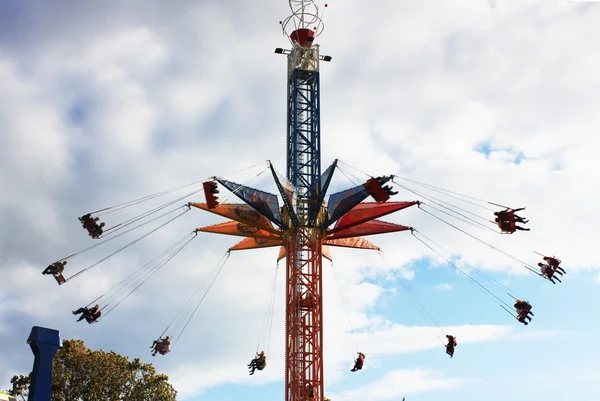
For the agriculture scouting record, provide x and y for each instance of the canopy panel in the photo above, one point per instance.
(254, 243)
(240, 212)
(241, 229)
(264, 202)
(368, 211)
(342, 202)
(357, 242)
(368, 228)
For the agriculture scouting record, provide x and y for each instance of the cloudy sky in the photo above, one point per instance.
(105, 102)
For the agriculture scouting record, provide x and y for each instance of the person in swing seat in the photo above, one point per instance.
(91, 315)
(161, 346)
(258, 363)
(451, 345)
(523, 309)
(360, 361)
(554, 263)
(55, 268)
(548, 272)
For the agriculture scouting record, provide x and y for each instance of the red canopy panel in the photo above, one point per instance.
(368, 211)
(368, 228)
(241, 229)
(357, 242)
(240, 212)
(254, 243)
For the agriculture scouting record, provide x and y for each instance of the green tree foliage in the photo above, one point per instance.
(20, 387)
(80, 374)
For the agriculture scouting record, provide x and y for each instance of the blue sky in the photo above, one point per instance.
(106, 102)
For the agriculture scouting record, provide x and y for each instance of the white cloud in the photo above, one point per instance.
(444, 287)
(399, 383)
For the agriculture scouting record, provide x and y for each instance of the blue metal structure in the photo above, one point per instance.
(303, 137)
(44, 343)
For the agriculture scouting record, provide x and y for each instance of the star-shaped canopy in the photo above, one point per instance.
(266, 224)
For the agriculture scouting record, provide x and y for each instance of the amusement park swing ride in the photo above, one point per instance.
(304, 225)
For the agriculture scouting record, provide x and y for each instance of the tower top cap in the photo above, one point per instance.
(305, 23)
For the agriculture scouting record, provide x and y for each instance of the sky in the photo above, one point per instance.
(106, 102)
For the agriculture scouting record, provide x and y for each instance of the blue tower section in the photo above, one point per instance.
(303, 136)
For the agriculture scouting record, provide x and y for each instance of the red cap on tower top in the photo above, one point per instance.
(304, 37)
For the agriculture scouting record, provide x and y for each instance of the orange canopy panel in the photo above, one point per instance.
(253, 243)
(240, 212)
(241, 229)
(282, 253)
(357, 242)
(368, 211)
(368, 228)
(324, 250)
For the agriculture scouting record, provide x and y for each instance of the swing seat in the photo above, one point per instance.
(376, 190)
(60, 279)
(261, 364)
(522, 313)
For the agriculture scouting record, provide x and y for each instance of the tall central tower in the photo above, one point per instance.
(304, 306)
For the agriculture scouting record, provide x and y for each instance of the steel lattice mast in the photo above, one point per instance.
(304, 323)
(303, 225)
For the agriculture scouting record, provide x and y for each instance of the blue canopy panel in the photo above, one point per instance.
(263, 202)
(342, 202)
(287, 193)
(319, 191)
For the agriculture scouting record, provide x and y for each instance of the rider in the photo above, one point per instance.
(87, 219)
(91, 315)
(507, 219)
(55, 268)
(548, 272)
(390, 191)
(554, 262)
(523, 309)
(91, 225)
(97, 231)
(258, 363)
(509, 226)
(509, 215)
(162, 346)
(451, 345)
(358, 364)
